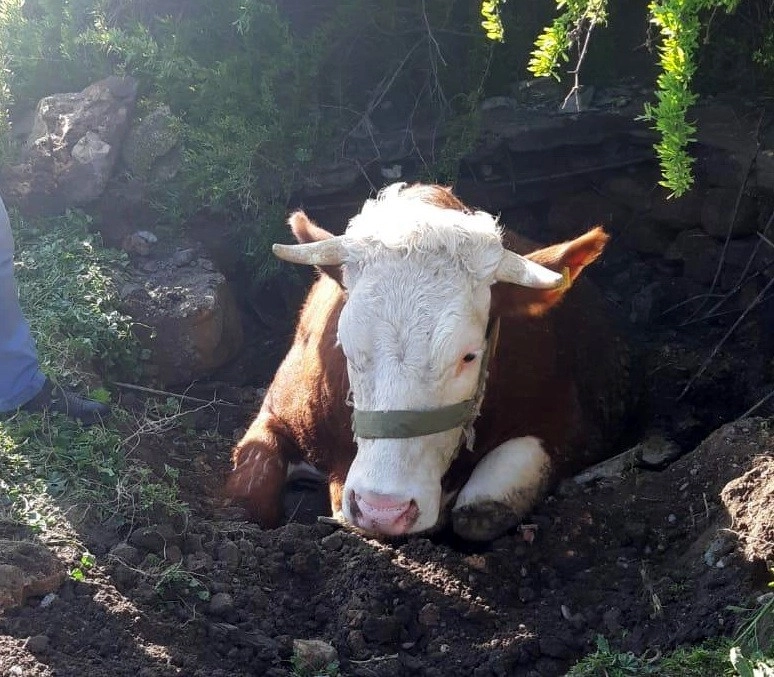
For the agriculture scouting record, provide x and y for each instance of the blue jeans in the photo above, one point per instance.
(20, 375)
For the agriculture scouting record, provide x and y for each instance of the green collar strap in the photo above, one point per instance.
(402, 424)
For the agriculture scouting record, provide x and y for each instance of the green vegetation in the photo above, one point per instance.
(68, 289)
(260, 94)
(749, 654)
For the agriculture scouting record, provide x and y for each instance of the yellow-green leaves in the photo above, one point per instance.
(492, 23)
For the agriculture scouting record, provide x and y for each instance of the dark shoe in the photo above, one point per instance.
(57, 399)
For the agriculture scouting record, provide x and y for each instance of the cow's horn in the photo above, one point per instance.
(519, 270)
(329, 252)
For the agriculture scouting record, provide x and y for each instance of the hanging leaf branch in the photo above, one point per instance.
(680, 24)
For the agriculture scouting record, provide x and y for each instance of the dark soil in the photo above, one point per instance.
(627, 560)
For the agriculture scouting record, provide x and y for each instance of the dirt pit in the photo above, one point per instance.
(650, 561)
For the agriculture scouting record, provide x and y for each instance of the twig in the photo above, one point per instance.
(576, 71)
(743, 276)
(757, 405)
(376, 659)
(732, 221)
(189, 398)
(715, 350)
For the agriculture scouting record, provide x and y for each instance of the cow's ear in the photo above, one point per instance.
(305, 230)
(568, 257)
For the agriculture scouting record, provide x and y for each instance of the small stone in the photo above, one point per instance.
(672, 518)
(527, 594)
(313, 656)
(220, 604)
(229, 552)
(151, 539)
(611, 619)
(37, 643)
(333, 542)
(15, 671)
(126, 553)
(720, 546)
(356, 642)
(172, 553)
(553, 647)
(183, 257)
(49, 599)
(429, 615)
(381, 629)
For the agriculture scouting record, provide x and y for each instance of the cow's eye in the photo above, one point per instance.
(469, 357)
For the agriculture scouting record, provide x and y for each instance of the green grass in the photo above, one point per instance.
(53, 471)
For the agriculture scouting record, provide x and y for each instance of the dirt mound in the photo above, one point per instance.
(644, 561)
(749, 500)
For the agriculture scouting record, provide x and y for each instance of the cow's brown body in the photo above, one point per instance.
(561, 376)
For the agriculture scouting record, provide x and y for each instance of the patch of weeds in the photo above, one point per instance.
(299, 668)
(752, 654)
(50, 464)
(709, 658)
(605, 662)
(69, 291)
(85, 563)
(173, 581)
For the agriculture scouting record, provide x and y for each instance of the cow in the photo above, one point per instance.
(437, 372)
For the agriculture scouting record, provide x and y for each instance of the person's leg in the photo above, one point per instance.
(20, 376)
(22, 383)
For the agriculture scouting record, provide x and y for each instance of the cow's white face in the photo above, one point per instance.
(413, 332)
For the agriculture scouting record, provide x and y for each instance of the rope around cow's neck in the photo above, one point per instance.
(402, 424)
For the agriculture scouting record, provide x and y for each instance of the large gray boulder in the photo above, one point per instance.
(72, 148)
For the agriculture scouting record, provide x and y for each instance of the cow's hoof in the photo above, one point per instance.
(483, 521)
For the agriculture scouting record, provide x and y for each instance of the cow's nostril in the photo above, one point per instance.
(383, 512)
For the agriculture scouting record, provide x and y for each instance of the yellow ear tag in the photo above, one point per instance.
(566, 281)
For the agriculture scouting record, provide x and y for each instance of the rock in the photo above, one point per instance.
(333, 541)
(632, 191)
(140, 242)
(37, 643)
(153, 539)
(220, 604)
(571, 215)
(381, 629)
(646, 236)
(313, 656)
(578, 102)
(173, 553)
(652, 453)
(186, 316)
(718, 208)
(719, 547)
(126, 553)
(764, 170)
(332, 179)
(727, 128)
(677, 213)
(554, 647)
(429, 615)
(183, 257)
(152, 148)
(645, 302)
(699, 252)
(228, 552)
(72, 148)
(27, 570)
